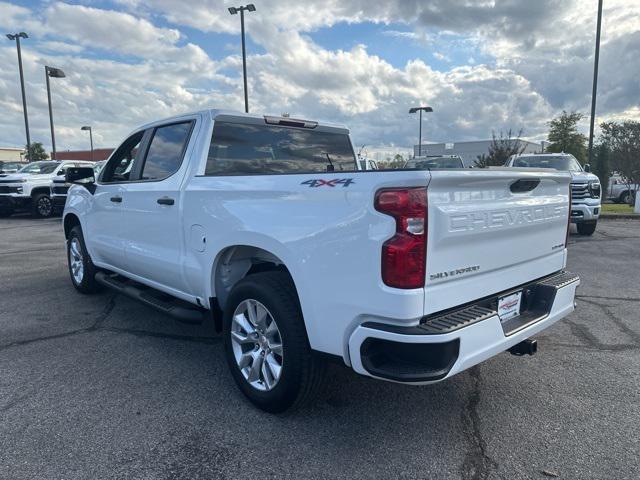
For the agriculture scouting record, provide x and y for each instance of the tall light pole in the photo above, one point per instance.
(595, 81)
(17, 37)
(55, 73)
(420, 109)
(87, 127)
(233, 11)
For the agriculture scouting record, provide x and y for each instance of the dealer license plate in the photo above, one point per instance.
(509, 306)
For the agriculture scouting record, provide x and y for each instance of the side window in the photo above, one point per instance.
(166, 150)
(120, 165)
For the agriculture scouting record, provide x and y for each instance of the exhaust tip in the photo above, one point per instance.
(526, 347)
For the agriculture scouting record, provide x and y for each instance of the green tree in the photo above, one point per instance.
(564, 136)
(36, 152)
(501, 148)
(623, 140)
(398, 161)
(601, 165)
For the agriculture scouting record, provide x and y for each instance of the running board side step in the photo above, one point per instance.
(178, 309)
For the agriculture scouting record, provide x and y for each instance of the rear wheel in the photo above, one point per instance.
(624, 197)
(81, 268)
(266, 344)
(586, 228)
(41, 206)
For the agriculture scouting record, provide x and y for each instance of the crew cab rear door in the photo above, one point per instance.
(152, 206)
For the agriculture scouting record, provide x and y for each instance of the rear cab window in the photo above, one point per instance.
(265, 149)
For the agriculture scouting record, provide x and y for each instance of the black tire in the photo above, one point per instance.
(5, 212)
(302, 372)
(624, 198)
(41, 206)
(586, 228)
(87, 284)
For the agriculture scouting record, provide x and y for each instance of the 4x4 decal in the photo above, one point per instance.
(318, 182)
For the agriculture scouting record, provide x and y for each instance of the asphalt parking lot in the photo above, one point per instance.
(102, 387)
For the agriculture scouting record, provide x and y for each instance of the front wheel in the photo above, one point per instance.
(266, 344)
(6, 212)
(81, 268)
(41, 206)
(586, 228)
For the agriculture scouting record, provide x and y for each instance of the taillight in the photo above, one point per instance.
(404, 254)
(566, 239)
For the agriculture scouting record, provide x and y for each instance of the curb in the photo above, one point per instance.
(622, 216)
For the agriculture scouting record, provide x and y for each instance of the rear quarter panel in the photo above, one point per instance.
(329, 237)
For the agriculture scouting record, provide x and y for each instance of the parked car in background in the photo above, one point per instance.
(59, 185)
(585, 186)
(436, 161)
(10, 167)
(367, 164)
(29, 188)
(619, 190)
(268, 224)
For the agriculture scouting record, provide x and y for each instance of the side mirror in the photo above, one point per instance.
(587, 167)
(80, 175)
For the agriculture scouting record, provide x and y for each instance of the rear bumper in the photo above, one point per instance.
(445, 344)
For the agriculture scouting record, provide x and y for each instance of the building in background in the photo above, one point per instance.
(98, 154)
(469, 151)
(12, 154)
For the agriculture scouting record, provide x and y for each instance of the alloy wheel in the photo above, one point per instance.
(44, 206)
(75, 260)
(257, 345)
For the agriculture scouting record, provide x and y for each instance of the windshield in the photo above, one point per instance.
(435, 162)
(559, 162)
(39, 167)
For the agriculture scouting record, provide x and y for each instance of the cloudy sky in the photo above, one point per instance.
(481, 64)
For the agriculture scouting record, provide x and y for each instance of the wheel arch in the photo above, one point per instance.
(38, 190)
(70, 220)
(235, 262)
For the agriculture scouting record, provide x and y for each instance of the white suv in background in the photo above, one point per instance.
(30, 188)
(585, 186)
(59, 186)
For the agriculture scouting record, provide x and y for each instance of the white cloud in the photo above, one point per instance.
(541, 63)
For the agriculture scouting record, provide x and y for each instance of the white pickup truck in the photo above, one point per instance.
(29, 189)
(267, 224)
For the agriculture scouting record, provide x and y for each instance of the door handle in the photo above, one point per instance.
(117, 199)
(165, 201)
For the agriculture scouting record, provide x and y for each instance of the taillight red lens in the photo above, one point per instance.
(404, 254)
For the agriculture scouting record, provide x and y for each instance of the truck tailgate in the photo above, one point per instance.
(491, 230)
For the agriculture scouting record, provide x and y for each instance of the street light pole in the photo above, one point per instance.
(595, 81)
(17, 37)
(420, 109)
(55, 73)
(87, 127)
(233, 11)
